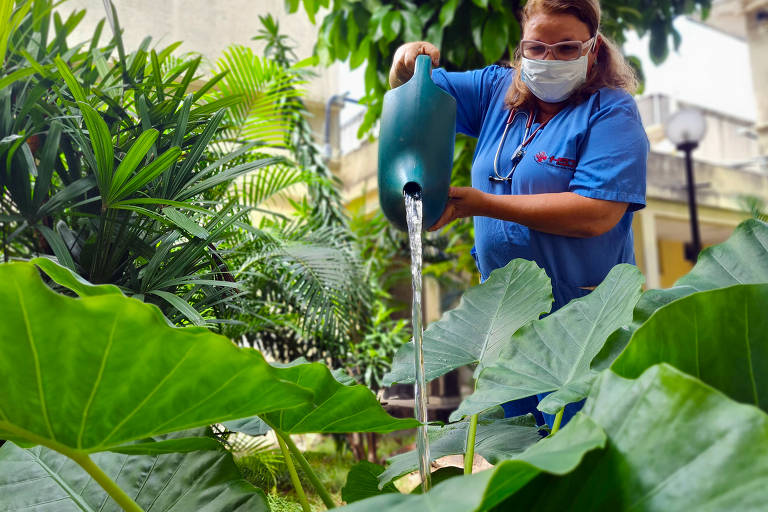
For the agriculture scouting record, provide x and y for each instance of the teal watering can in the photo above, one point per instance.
(418, 128)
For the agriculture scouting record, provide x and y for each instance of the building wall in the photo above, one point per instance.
(727, 141)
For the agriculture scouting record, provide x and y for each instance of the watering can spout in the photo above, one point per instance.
(418, 127)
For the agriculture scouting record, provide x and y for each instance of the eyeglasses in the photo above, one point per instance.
(566, 50)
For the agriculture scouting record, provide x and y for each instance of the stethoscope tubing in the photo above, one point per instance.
(524, 142)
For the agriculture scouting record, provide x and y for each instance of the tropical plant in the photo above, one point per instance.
(306, 295)
(109, 370)
(108, 167)
(756, 207)
(710, 325)
(124, 170)
(40, 476)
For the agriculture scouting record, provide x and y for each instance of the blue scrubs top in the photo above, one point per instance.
(596, 149)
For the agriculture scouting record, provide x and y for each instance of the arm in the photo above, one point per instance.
(562, 213)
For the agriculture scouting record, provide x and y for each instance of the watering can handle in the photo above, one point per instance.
(422, 70)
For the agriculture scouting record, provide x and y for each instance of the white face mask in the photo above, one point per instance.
(554, 80)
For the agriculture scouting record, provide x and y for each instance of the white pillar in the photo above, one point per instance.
(650, 249)
(756, 14)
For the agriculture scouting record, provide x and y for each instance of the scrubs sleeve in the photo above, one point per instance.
(612, 163)
(472, 91)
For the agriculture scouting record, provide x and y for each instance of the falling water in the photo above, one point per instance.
(413, 216)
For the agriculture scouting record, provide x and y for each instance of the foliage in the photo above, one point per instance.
(475, 331)
(259, 462)
(114, 384)
(363, 482)
(715, 335)
(381, 248)
(40, 476)
(133, 169)
(481, 491)
(109, 168)
(307, 294)
(280, 504)
(665, 441)
(498, 438)
(108, 370)
(742, 259)
(554, 353)
(740, 371)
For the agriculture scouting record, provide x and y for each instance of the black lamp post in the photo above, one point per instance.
(685, 129)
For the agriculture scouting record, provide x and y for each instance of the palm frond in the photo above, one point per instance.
(268, 96)
(268, 182)
(320, 280)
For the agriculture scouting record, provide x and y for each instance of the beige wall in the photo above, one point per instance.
(206, 27)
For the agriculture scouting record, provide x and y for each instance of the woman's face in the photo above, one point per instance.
(556, 28)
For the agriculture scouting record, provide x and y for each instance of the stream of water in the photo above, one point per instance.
(413, 214)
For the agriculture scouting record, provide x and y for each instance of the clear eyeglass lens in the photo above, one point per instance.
(568, 50)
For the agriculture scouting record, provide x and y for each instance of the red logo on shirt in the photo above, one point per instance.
(568, 163)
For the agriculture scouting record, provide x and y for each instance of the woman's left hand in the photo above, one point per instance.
(462, 202)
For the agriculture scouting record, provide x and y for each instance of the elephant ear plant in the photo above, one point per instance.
(666, 440)
(94, 374)
(518, 355)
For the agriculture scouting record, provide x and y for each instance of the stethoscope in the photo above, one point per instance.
(519, 152)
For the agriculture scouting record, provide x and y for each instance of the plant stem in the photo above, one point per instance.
(319, 487)
(469, 453)
(558, 419)
(106, 483)
(294, 476)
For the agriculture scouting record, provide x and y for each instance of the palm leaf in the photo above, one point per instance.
(267, 96)
(267, 182)
(318, 278)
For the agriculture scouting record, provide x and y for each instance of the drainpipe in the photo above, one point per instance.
(335, 100)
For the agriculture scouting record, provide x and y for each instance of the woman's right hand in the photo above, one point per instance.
(405, 60)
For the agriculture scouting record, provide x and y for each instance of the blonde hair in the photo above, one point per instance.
(609, 70)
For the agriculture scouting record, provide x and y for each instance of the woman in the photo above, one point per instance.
(561, 152)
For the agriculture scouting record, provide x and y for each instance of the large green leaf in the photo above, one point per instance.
(335, 407)
(481, 325)
(74, 282)
(208, 480)
(554, 353)
(674, 443)
(559, 454)
(498, 439)
(363, 482)
(255, 426)
(742, 259)
(719, 336)
(89, 374)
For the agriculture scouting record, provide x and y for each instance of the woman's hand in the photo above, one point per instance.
(462, 202)
(405, 59)
(560, 213)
